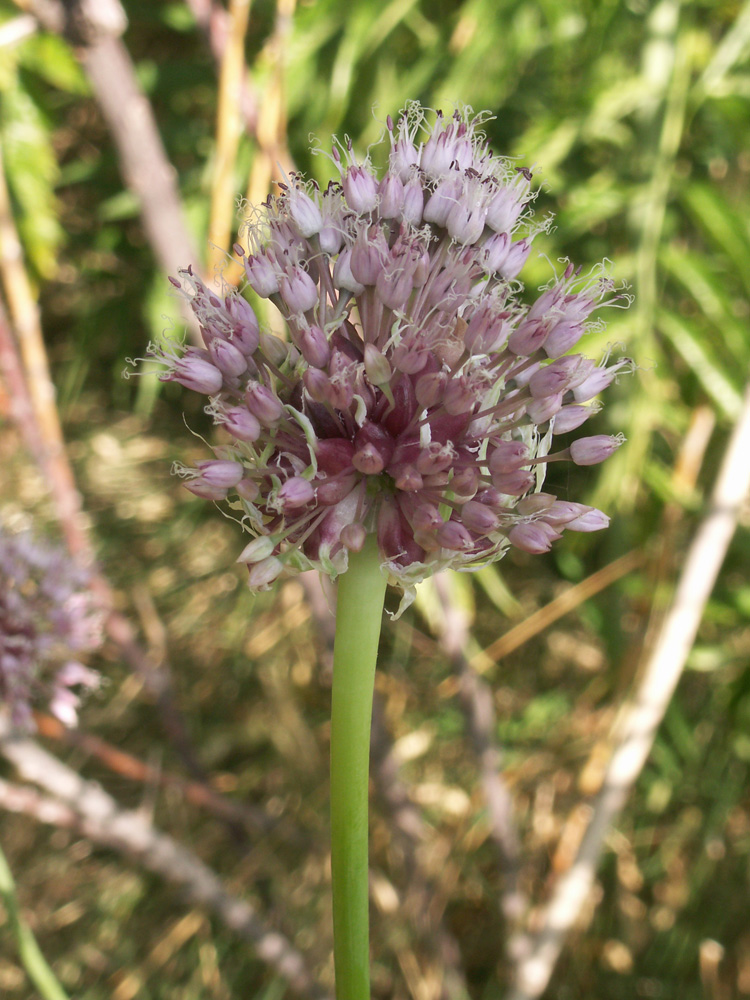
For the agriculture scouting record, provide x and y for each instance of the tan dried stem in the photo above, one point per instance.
(228, 132)
(636, 727)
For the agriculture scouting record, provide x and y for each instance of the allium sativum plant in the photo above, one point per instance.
(48, 623)
(406, 424)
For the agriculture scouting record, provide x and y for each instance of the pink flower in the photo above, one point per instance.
(417, 394)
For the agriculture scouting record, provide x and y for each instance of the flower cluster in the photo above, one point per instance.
(47, 620)
(417, 396)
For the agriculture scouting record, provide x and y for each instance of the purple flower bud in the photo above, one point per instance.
(314, 346)
(599, 379)
(413, 202)
(264, 573)
(241, 424)
(264, 404)
(434, 458)
(342, 274)
(221, 472)
(592, 520)
(369, 254)
(504, 208)
(206, 491)
(459, 396)
(479, 518)
(517, 257)
(248, 489)
(298, 290)
(535, 503)
(442, 200)
(429, 388)
(507, 456)
(317, 384)
(541, 410)
(332, 491)
(245, 328)
(294, 493)
(592, 450)
(535, 537)
(262, 274)
(334, 455)
(496, 250)
(528, 337)
(453, 535)
(274, 349)
(513, 484)
(304, 213)
(360, 189)
(562, 337)
(465, 222)
(570, 417)
(373, 449)
(391, 194)
(228, 359)
(555, 377)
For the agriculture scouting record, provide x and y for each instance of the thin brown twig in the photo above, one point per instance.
(636, 728)
(91, 810)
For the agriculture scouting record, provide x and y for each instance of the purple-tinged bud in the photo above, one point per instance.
(262, 274)
(264, 573)
(592, 450)
(404, 156)
(305, 215)
(294, 493)
(435, 458)
(592, 520)
(264, 404)
(373, 449)
(196, 374)
(329, 492)
(599, 379)
(221, 472)
(206, 491)
(314, 346)
(496, 250)
(360, 189)
(369, 254)
(479, 518)
(394, 285)
(571, 417)
(406, 477)
(535, 537)
(228, 359)
(442, 200)
(465, 483)
(353, 536)
(317, 384)
(562, 337)
(430, 388)
(413, 202)
(563, 511)
(410, 359)
(248, 489)
(465, 222)
(241, 424)
(342, 274)
(507, 456)
(422, 515)
(245, 328)
(513, 484)
(453, 535)
(504, 208)
(334, 455)
(260, 548)
(298, 290)
(391, 194)
(555, 377)
(517, 257)
(539, 411)
(528, 337)
(377, 367)
(459, 396)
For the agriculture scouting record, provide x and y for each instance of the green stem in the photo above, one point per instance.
(29, 952)
(359, 609)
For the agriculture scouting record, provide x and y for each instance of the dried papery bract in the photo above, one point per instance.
(48, 621)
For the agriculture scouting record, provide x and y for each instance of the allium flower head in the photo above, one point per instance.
(47, 620)
(417, 396)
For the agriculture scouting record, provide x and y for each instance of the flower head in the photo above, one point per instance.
(417, 396)
(47, 620)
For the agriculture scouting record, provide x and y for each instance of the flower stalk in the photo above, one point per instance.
(359, 609)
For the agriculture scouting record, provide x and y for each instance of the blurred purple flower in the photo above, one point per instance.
(417, 396)
(47, 620)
